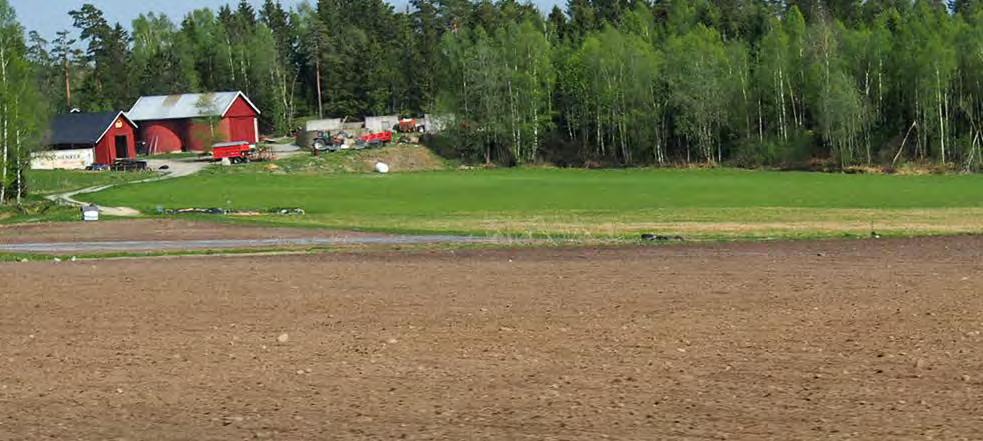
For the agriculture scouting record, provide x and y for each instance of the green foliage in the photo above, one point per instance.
(35, 210)
(775, 152)
(697, 73)
(162, 60)
(499, 90)
(108, 85)
(22, 108)
(602, 82)
(619, 97)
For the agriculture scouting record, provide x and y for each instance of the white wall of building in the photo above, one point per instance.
(63, 159)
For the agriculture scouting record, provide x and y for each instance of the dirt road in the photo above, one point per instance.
(159, 235)
(153, 230)
(791, 341)
(175, 168)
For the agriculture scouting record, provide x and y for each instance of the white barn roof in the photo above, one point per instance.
(190, 105)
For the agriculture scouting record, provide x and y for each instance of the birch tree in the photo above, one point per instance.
(525, 54)
(834, 98)
(696, 71)
(775, 112)
(970, 97)
(622, 96)
(21, 114)
(927, 61)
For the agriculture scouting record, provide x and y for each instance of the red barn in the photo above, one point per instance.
(111, 134)
(195, 121)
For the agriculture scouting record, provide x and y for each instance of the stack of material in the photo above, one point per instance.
(376, 124)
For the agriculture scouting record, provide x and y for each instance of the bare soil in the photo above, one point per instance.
(151, 230)
(403, 158)
(791, 341)
(400, 158)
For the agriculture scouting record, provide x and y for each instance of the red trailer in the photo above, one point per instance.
(377, 138)
(236, 151)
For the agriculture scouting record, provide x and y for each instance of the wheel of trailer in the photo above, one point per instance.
(318, 144)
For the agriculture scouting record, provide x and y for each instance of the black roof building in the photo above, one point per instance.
(81, 129)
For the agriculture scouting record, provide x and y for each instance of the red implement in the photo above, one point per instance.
(377, 138)
(239, 151)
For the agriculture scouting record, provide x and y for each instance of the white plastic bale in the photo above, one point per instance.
(382, 167)
(90, 213)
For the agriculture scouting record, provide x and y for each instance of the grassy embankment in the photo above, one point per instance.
(44, 182)
(711, 204)
(47, 182)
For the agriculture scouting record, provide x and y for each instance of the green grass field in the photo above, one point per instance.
(581, 203)
(44, 182)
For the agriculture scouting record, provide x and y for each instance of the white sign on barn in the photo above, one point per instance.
(62, 159)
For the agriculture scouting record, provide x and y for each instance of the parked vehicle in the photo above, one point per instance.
(129, 165)
(411, 125)
(325, 142)
(98, 167)
(237, 152)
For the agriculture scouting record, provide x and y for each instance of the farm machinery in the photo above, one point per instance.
(235, 152)
(326, 142)
(411, 125)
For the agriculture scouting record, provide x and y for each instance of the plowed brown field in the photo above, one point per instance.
(803, 340)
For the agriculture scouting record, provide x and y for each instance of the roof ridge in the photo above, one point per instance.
(188, 94)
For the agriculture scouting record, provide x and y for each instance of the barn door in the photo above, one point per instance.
(122, 147)
(243, 129)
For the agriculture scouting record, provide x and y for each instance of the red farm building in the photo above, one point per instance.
(111, 135)
(193, 122)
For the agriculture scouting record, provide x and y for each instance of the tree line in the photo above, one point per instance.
(830, 84)
(836, 83)
(608, 82)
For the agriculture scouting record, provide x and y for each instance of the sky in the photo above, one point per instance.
(50, 16)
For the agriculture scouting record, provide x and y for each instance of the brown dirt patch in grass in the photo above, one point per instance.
(403, 158)
(400, 157)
